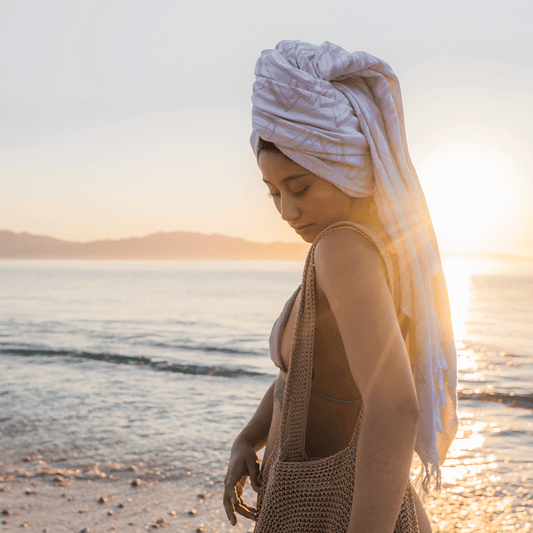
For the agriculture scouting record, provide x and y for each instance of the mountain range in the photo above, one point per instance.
(174, 245)
(170, 245)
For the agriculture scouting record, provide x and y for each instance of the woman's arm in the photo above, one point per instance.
(256, 431)
(350, 273)
(243, 461)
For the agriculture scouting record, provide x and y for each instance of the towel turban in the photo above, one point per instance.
(340, 116)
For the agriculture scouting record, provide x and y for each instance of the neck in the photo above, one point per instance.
(365, 213)
(361, 209)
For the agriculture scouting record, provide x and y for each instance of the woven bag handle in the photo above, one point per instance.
(298, 387)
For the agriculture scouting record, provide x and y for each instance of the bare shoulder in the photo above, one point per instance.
(345, 254)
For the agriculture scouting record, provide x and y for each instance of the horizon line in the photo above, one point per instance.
(442, 251)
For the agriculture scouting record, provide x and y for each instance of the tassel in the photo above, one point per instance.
(423, 479)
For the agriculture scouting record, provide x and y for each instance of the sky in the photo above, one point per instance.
(125, 118)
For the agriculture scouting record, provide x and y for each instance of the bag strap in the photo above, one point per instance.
(298, 386)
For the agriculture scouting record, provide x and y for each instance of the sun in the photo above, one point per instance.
(466, 193)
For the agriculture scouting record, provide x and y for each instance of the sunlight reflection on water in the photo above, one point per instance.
(460, 466)
(457, 273)
(480, 458)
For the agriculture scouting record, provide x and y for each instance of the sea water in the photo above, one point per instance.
(168, 360)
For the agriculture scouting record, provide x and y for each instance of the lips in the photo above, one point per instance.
(300, 228)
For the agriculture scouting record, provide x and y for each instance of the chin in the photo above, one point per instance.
(309, 237)
(310, 234)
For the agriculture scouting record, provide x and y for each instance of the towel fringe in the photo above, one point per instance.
(427, 475)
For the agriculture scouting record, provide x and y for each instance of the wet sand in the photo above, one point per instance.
(39, 497)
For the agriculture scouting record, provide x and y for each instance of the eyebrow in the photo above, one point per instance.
(290, 178)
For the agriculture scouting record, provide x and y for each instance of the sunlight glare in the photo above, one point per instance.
(458, 466)
(467, 194)
(457, 274)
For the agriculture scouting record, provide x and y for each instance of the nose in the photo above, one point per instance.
(288, 208)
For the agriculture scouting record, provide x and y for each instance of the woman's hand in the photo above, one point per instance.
(243, 463)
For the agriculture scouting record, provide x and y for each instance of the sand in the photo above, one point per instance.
(38, 497)
(111, 497)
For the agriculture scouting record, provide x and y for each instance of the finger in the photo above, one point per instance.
(246, 510)
(232, 487)
(230, 511)
(230, 499)
(233, 476)
(239, 487)
(253, 471)
(250, 508)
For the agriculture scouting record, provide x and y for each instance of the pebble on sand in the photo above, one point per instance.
(102, 499)
(159, 522)
(136, 483)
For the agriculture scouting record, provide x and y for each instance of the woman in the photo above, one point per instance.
(329, 138)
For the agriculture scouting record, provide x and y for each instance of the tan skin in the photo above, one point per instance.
(352, 299)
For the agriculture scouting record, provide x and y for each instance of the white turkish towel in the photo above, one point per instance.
(340, 115)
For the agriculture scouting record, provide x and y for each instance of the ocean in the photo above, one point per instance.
(166, 361)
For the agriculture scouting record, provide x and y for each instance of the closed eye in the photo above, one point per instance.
(296, 193)
(303, 191)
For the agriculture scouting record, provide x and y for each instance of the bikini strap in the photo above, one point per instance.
(371, 236)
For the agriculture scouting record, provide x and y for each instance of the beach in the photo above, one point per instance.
(136, 498)
(37, 496)
(122, 386)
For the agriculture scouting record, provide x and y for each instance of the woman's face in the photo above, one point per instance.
(306, 202)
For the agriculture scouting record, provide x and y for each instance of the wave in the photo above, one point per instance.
(525, 401)
(203, 348)
(145, 362)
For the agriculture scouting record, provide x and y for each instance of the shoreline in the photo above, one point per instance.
(89, 498)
